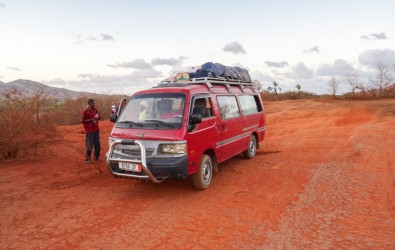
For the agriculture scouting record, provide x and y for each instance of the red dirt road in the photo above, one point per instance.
(323, 179)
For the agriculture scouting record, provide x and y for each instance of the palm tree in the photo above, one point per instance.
(275, 88)
(298, 88)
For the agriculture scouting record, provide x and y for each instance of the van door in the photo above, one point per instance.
(204, 135)
(232, 124)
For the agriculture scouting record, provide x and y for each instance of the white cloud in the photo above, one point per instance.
(301, 71)
(101, 37)
(262, 77)
(146, 73)
(56, 82)
(106, 37)
(372, 57)
(276, 64)
(2, 5)
(14, 68)
(375, 36)
(288, 75)
(78, 38)
(315, 49)
(339, 68)
(138, 80)
(314, 85)
(163, 61)
(75, 37)
(96, 78)
(235, 48)
(135, 64)
(135, 76)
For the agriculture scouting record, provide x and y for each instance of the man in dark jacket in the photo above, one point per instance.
(90, 120)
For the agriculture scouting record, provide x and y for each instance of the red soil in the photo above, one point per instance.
(324, 178)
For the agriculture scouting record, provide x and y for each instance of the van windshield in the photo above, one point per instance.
(154, 111)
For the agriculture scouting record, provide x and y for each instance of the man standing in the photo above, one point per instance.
(90, 120)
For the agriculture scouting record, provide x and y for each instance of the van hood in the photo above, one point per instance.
(145, 134)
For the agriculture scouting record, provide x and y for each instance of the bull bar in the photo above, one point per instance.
(143, 162)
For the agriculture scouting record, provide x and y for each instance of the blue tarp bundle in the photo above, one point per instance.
(210, 69)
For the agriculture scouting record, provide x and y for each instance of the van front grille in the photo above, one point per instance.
(137, 152)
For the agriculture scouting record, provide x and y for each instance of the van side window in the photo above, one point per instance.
(249, 104)
(228, 106)
(203, 107)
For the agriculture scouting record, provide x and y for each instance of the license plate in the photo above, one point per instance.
(130, 167)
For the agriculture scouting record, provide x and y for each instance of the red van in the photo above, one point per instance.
(175, 130)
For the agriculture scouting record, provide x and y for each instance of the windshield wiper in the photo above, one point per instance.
(132, 123)
(160, 122)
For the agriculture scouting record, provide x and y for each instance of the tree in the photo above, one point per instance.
(333, 86)
(40, 99)
(382, 79)
(275, 89)
(299, 90)
(353, 83)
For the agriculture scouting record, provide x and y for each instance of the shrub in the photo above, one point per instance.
(70, 111)
(23, 129)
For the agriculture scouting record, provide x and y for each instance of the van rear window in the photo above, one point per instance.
(228, 106)
(249, 104)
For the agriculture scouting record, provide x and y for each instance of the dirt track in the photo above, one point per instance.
(323, 179)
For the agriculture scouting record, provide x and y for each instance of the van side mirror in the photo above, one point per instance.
(195, 119)
(113, 118)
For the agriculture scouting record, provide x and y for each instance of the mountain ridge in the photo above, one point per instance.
(30, 87)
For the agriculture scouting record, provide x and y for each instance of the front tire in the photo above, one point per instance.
(251, 150)
(202, 178)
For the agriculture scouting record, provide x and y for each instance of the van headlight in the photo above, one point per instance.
(174, 148)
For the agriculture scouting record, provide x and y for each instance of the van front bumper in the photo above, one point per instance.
(155, 169)
(161, 168)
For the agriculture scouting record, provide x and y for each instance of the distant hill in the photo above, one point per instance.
(30, 87)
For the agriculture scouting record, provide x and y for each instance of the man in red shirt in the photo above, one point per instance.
(90, 120)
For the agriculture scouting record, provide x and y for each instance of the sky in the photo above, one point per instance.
(120, 47)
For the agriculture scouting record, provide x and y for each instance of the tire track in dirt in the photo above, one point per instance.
(343, 205)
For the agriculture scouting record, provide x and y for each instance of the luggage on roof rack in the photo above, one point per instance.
(214, 70)
(211, 74)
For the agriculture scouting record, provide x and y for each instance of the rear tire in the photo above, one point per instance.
(202, 178)
(251, 150)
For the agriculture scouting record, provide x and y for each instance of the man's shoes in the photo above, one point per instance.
(87, 161)
(97, 159)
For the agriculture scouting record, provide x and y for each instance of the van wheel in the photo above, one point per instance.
(202, 178)
(251, 150)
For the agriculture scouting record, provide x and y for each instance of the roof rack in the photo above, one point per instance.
(209, 82)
